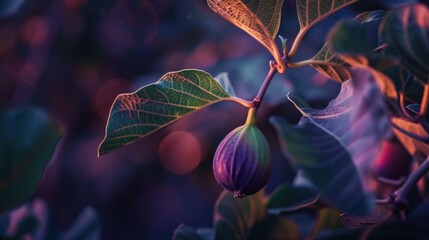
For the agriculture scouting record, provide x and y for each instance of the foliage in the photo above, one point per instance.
(33, 220)
(28, 139)
(380, 58)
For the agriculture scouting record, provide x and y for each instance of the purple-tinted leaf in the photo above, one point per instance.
(356, 117)
(326, 162)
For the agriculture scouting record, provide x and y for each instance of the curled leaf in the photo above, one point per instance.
(259, 18)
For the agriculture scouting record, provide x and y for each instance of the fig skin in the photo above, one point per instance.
(393, 161)
(242, 162)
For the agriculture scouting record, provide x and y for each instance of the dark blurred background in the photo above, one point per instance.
(72, 57)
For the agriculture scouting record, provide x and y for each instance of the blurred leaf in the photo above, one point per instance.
(86, 226)
(9, 7)
(260, 19)
(28, 139)
(379, 215)
(330, 65)
(358, 36)
(158, 105)
(326, 162)
(184, 232)
(235, 218)
(356, 117)
(326, 219)
(395, 230)
(412, 145)
(287, 198)
(311, 12)
(225, 83)
(33, 221)
(406, 30)
(280, 227)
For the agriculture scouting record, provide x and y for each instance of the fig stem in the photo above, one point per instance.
(258, 99)
(251, 116)
(401, 194)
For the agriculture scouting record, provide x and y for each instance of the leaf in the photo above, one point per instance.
(28, 139)
(86, 226)
(311, 12)
(158, 105)
(225, 83)
(326, 162)
(392, 230)
(328, 63)
(259, 18)
(34, 221)
(356, 117)
(9, 7)
(412, 145)
(184, 232)
(288, 198)
(380, 215)
(359, 36)
(326, 219)
(280, 227)
(406, 30)
(235, 218)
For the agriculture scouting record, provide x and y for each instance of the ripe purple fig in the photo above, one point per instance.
(242, 162)
(393, 161)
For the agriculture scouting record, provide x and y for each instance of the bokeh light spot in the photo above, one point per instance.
(180, 152)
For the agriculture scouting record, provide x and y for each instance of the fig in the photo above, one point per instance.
(393, 161)
(242, 162)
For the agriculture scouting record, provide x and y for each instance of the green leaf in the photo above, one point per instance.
(28, 139)
(158, 105)
(235, 218)
(288, 198)
(259, 18)
(326, 162)
(311, 12)
(406, 30)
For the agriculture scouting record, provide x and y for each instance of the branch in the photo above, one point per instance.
(400, 195)
(273, 70)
